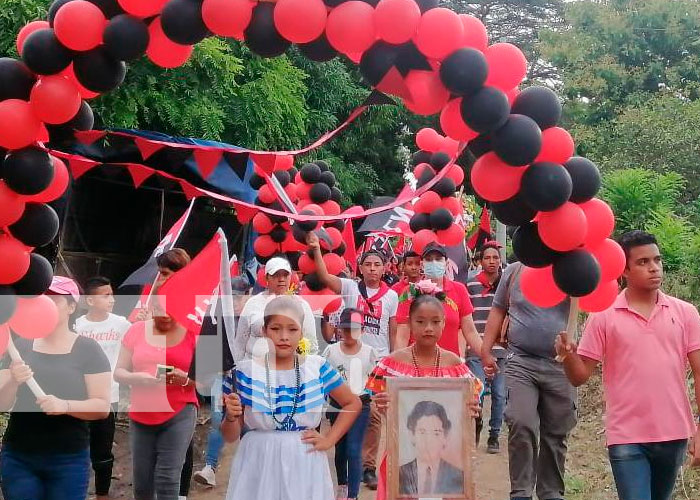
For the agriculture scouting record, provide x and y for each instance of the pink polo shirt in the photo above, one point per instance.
(644, 369)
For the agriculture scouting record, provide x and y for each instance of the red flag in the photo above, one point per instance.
(187, 294)
(483, 233)
(350, 248)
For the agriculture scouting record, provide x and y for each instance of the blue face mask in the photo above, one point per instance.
(434, 269)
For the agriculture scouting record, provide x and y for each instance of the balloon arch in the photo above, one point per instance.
(433, 59)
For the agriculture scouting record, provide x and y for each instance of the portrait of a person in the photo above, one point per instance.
(429, 474)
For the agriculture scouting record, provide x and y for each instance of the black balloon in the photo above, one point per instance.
(377, 61)
(282, 177)
(16, 80)
(513, 212)
(38, 225)
(182, 22)
(421, 157)
(320, 193)
(328, 178)
(311, 173)
(53, 10)
(98, 71)
(293, 258)
(585, 177)
(28, 171)
(464, 71)
(110, 8)
(439, 160)
(529, 249)
(426, 5)
(261, 36)
(37, 279)
(441, 219)
(425, 177)
(546, 186)
(323, 165)
(256, 182)
(126, 37)
(43, 53)
(318, 50)
(278, 234)
(577, 273)
(277, 219)
(342, 248)
(336, 195)
(334, 3)
(480, 146)
(298, 231)
(293, 173)
(485, 111)
(84, 120)
(444, 187)
(338, 224)
(313, 282)
(306, 225)
(539, 103)
(419, 222)
(518, 142)
(8, 303)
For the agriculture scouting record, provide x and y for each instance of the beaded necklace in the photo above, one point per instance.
(284, 424)
(436, 367)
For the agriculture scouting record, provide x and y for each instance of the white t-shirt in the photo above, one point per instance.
(109, 334)
(384, 309)
(354, 368)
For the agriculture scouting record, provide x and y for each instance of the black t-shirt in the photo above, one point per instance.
(61, 375)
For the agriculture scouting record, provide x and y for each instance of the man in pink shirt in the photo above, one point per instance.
(645, 342)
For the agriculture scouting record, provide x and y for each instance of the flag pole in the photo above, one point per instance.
(31, 383)
(225, 289)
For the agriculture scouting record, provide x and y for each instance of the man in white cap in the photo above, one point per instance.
(278, 273)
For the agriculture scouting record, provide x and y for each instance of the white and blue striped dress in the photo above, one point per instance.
(271, 463)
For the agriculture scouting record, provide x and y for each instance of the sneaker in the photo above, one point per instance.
(206, 476)
(342, 492)
(370, 479)
(492, 445)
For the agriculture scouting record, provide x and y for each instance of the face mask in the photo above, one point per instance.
(434, 269)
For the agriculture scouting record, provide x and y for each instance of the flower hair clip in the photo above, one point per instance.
(423, 287)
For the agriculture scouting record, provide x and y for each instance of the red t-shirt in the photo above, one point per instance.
(400, 286)
(153, 405)
(457, 305)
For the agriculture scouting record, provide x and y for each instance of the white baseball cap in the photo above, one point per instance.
(277, 264)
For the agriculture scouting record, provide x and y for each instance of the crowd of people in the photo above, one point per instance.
(294, 362)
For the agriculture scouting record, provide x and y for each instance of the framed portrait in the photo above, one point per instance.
(430, 439)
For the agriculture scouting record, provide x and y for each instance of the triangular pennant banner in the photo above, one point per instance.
(393, 83)
(189, 190)
(147, 148)
(207, 160)
(79, 166)
(139, 173)
(88, 137)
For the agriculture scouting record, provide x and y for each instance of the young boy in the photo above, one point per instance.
(107, 330)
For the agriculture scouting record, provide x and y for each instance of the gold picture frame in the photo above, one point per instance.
(430, 439)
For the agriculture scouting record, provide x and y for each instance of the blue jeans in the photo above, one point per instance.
(348, 452)
(55, 476)
(215, 441)
(498, 391)
(646, 471)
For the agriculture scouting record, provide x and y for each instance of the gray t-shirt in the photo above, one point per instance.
(532, 329)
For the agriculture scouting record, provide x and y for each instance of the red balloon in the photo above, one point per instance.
(291, 245)
(421, 169)
(291, 190)
(454, 205)
(79, 25)
(455, 173)
(475, 34)
(84, 93)
(601, 299)
(495, 180)
(330, 208)
(15, 259)
(12, 205)
(55, 99)
(422, 238)
(439, 33)
(262, 223)
(314, 208)
(539, 287)
(450, 146)
(451, 236)
(452, 124)
(427, 139)
(334, 263)
(4, 338)
(245, 214)
(164, 52)
(283, 162)
(266, 195)
(355, 57)
(512, 95)
(27, 30)
(507, 66)
(19, 127)
(428, 94)
(601, 221)
(34, 318)
(227, 18)
(397, 20)
(143, 8)
(303, 189)
(427, 203)
(611, 258)
(564, 228)
(350, 27)
(557, 146)
(307, 265)
(264, 246)
(58, 186)
(300, 21)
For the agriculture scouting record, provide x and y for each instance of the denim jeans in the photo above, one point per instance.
(348, 451)
(61, 476)
(215, 441)
(646, 471)
(498, 391)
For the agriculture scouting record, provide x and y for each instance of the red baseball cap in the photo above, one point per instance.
(60, 285)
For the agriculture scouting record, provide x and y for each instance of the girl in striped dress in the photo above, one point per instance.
(279, 398)
(423, 359)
